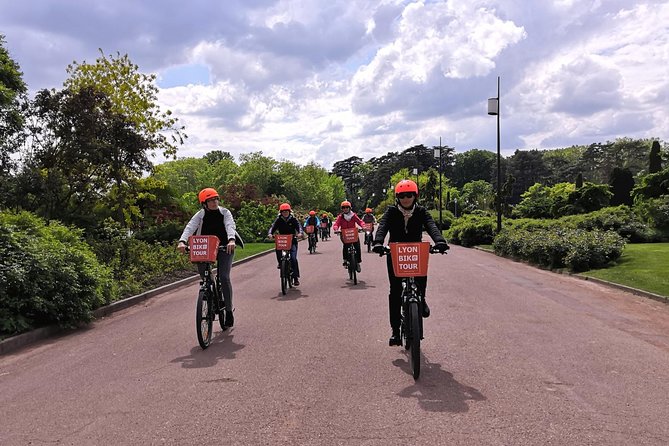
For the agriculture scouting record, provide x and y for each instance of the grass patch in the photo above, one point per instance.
(644, 266)
(252, 249)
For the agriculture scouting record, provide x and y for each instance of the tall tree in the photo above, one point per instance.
(12, 95)
(655, 158)
(133, 95)
(622, 183)
(473, 165)
(528, 168)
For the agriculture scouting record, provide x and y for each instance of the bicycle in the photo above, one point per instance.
(369, 230)
(348, 237)
(311, 232)
(409, 261)
(283, 243)
(324, 231)
(204, 249)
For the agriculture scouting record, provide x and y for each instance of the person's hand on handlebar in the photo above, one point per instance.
(181, 247)
(442, 247)
(379, 249)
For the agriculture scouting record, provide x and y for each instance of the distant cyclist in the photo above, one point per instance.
(328, 223)
(405, 222)
(313, 220)
(369, 218)
(286, 223)
(348, 219)
(216, 220)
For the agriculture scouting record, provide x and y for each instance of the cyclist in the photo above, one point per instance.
(326, 219)
(214, 219)
(369, 218)
(348, 219)
(405, 222)
(313, 220)
(286, 223)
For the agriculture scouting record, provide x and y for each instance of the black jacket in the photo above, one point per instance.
(393, 222)
(286, 226)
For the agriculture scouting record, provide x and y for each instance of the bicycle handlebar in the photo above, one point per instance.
(433, 250)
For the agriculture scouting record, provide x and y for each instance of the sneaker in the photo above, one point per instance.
(395, 338)
(357, 267)
(296, 282)
(278, 266)
(426, 310)
(229, 319)
(345, 264)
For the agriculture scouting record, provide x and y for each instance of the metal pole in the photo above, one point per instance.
(441, 149)
(499, 171)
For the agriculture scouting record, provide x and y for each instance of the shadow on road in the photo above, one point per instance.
(437, 390)
(222, 347)
(291, 294)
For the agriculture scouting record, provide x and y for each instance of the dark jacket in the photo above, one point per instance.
(286, 226)
(393, 222)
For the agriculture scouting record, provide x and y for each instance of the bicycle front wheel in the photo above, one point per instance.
(203, 319)
(285, 276)
(352, 267)
(414, 342)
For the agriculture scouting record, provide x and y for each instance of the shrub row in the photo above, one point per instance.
(576, 249)
(48, 275)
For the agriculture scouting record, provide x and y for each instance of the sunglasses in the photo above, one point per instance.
(213, 199)
(346, 207)
(406, 195)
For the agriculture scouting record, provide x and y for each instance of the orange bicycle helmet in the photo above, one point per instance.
(325, 215)
(368, 211)
(312, 213)
(284, 207)
(345, 204)
(206, 194)
(406, 186)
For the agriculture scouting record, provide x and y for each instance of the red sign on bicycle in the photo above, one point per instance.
(349, 235)
(369, 227)
(203, 248)
(309, 229)
(410, 259)
(283, 242)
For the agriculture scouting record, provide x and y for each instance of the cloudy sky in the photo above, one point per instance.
(322, 80)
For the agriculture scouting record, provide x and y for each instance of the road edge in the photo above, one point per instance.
(17, 342)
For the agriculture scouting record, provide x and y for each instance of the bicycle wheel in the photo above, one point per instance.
(352, 266)
(203, 319)
(368, 242)
(414, 332)
(219, 307)
(285, 275)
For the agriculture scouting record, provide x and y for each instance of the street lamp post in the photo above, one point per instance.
(493, 109)
(455, 200)
(437, 154)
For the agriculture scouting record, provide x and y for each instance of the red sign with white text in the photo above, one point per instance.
(410, 259)
(203, 248)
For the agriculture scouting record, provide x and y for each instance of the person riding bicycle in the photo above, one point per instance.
(214, 219)
(405, 222)
(313, 220)
(325, 218)
(369, 218)
(348, 219)
(286, 223)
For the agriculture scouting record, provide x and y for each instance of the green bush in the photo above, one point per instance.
(471, 230)
(48, 275)
(576, 249)
(254, 219)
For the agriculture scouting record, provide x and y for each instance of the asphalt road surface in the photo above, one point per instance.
(512, 356)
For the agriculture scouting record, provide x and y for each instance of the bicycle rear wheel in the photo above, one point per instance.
(203, 319)
(414, 343)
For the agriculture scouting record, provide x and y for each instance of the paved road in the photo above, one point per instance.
(513, 356)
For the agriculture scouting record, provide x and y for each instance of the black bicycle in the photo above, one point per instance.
(324, 231)
(210, 303)
(283, 243)
(348, 237)
(410, 261)
(312, 238)
(369, 231)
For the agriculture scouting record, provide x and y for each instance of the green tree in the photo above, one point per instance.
(528, 168)
(655, 158)
(473, 165)
(12, 96)
(477, 194)
(133, 95)
(622, 183)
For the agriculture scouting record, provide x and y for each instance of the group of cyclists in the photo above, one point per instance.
(405, 221)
